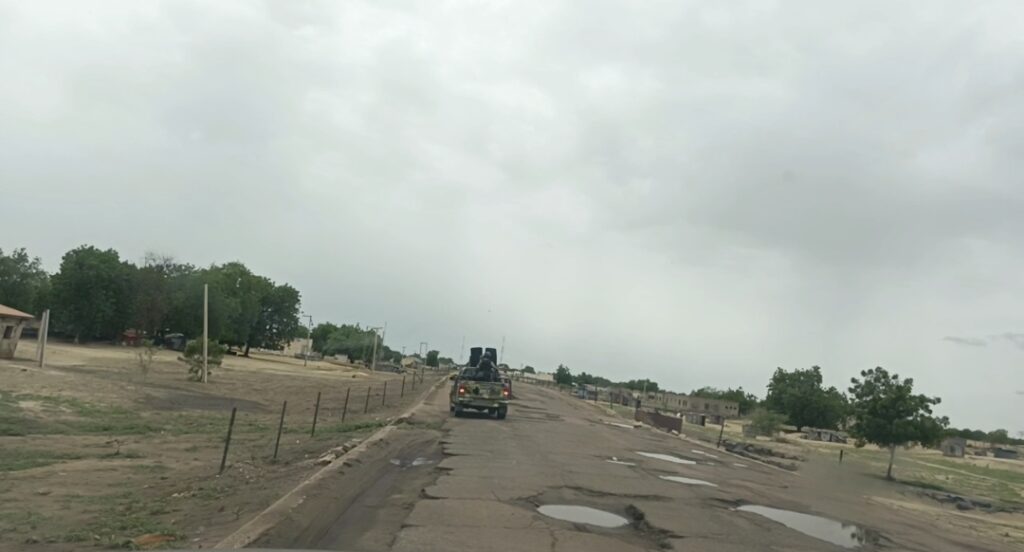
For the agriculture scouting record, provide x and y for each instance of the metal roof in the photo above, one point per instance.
(8, 312)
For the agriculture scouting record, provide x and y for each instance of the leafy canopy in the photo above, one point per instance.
(800, 396)
(886, 412)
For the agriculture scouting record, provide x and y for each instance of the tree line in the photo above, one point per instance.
(96, 295)
(564, 376)
(878, 407)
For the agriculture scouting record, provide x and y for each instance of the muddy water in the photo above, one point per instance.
(582, 514)
(667, 458)
(615, 460)
(687, 480)
(828, 530)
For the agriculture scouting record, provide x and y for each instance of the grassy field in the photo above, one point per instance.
(95, 452)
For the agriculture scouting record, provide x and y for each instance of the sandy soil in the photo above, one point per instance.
(93, 452)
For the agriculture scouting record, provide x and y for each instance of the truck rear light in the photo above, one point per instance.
(462, 390)
(504, 391)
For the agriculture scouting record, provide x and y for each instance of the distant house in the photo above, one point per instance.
(953, 446)
(299, 347)
(12, 321)
(1006, 453)
(409, 361)
(697, 405)
(826, 435)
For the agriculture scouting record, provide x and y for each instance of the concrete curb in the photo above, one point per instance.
(280, 509)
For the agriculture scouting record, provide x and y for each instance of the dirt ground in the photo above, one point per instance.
(96, 452)
(925, 480)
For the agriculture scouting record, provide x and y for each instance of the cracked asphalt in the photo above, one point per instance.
(478, 483)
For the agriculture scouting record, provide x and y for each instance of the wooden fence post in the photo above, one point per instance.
(227, 440)
(316, 413)
(344, 411)
(280, 426)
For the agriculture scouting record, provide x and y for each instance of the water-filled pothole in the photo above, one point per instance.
(617, 424)
(615, 460)
(708, 454)
(687, 480)
(582, 514)
(828, 530)
(738, 465)
(667, 458)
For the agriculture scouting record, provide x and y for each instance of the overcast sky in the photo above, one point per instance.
(695, 192)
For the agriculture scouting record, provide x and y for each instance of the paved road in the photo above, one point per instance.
(446, 483)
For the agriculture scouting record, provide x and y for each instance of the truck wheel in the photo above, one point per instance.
(502, 412)
(457, 410)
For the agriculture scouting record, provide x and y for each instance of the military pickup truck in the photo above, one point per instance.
(480, 390)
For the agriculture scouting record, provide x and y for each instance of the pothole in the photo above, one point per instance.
(617, 424)
(738, 465)
(415, 462)
(687, 480)
(667, 458)
(582, 514)
(828, 530)
(615, 460)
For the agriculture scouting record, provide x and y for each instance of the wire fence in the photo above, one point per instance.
(297, 422)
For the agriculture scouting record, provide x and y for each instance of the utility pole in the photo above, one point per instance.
(423, 348)
(373, 355)
(44, 329)
(501, 355)
(206, 334)
(462, 349)
(309, 345)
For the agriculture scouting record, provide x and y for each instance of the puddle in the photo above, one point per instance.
(616, 424)
(667, 458)
(828, 530)
(738, 465)
(418, 461)
(687, 480)
(582, 514)
(615, 460)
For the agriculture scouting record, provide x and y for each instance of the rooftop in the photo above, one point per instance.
(8, 312)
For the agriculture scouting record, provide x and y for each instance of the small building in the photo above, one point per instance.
(12, 322)
(953, 446)
(826, 435)
(299, 347)
(1005, 453)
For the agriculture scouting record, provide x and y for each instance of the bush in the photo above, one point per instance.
(193, 356)
(765, 422)
(144, 356)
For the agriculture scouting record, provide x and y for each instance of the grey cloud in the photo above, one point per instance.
(782, 184)
(1016, 338)
(968, 341)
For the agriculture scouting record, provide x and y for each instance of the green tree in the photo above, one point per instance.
(432, 358)
(747, 401)
(563, 376)
(193, 357)
(321, 333)
(236, 294)
(641, 385)
(998, 437)
(589, 379)
(529, 370)
(278, 318)
(301, 332)
(24, 285)
(799, 395)
(887, 413)
(765, 422)
(92, 293)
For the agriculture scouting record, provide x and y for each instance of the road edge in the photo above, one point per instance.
(279, 510)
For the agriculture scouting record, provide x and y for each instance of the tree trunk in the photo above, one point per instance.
(892, 457)
(246, 353)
